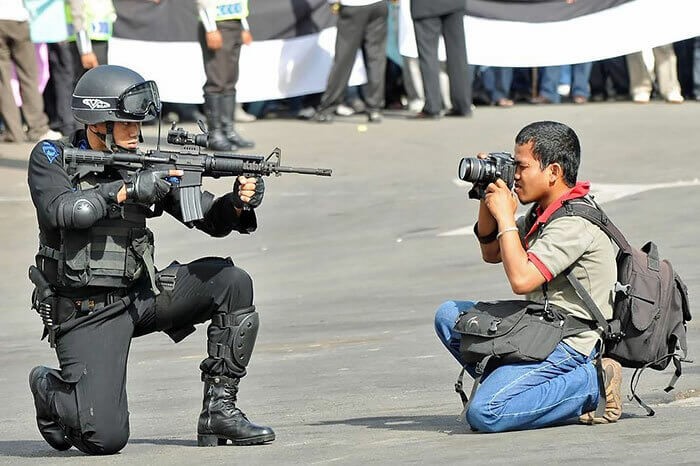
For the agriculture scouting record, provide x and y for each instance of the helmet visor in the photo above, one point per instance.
(140, 100)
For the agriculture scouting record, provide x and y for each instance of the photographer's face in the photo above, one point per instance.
(531, 182)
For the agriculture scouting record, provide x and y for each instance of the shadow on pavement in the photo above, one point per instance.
(33, 449)
(448, 424)
(14, 163)
(165, 441)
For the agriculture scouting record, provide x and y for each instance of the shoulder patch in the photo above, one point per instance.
(50, 151)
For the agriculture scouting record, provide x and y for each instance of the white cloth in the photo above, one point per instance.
(14, 10)
(357, 2)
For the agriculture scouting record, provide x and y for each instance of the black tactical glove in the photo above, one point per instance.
(110, 190)
(148, 186)
(255, 199)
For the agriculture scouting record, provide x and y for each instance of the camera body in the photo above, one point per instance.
(481, 172)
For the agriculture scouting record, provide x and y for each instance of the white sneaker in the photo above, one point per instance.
(241, 116)
(344, 110)
(641, 98)
(674, 98)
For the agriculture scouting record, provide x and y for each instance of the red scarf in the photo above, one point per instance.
(579, 190)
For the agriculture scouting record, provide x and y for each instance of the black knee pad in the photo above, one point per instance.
(238, 348)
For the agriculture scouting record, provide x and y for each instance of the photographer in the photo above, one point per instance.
(98, 288)
(529, 395)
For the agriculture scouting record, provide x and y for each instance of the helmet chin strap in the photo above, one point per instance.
(107, 138)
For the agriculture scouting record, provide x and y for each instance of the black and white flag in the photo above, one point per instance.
(294, 40)
(560, 32)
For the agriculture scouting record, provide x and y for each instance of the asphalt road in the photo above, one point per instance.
(348, 271)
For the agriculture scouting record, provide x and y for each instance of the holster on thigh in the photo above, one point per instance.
(165, 280)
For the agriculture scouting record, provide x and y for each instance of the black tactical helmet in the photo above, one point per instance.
(114, 93)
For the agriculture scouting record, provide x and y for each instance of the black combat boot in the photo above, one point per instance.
(51, 430)
(227, 118)
(220, 420)
(216, 138)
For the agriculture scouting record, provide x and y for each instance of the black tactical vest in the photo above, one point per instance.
(113, 253)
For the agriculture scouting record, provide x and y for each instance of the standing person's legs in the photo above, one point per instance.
(350, 27)
(549, 82)
(61, 69)
(457, 67)
(427, 38)
(374, 51)
(580, 74)
(640, 80)
(231, 32)
(665, 65)
(24, 57)
(8, 108)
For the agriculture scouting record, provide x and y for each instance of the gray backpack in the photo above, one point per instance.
(651, 308)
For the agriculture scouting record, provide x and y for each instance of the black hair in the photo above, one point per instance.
(553, 142)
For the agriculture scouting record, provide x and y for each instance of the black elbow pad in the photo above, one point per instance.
(82, 211)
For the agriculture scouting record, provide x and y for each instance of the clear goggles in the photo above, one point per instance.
(140, 100)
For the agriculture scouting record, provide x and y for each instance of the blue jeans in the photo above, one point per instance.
(497, 82)
(524, 395)
(551, 76)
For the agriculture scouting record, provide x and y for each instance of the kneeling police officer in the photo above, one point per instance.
(96, 260)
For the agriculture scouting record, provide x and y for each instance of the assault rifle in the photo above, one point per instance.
(194, 164)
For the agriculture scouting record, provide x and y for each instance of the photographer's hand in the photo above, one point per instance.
(501, 203)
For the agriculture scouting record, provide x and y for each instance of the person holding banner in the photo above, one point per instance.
(223, 31)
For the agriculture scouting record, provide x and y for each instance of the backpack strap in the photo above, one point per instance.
(588, 209)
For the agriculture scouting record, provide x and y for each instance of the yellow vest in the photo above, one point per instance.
(99, 16)
(231, 9)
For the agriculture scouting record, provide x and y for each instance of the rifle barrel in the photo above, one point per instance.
(304, 171)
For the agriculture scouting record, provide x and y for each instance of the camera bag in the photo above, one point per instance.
(651, 309)
(494, 333)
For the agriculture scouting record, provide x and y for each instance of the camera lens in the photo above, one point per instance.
(470, 169)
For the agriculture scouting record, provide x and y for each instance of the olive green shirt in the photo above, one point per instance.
(573, 240)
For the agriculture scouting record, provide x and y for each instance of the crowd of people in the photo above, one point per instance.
(77, 33)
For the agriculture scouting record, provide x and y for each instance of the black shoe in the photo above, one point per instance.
(424, 116)
(322, 116)
(374, 116)
(221, 420)
(238, 141)
(48, 428)
(457, 113)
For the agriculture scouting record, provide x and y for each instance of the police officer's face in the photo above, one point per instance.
(124, 133)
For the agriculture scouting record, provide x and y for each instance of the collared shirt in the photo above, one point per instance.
(571, 241)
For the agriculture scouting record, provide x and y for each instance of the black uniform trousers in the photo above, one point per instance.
(428, 31)
(89, 392)
(221, 66)
(359, 27)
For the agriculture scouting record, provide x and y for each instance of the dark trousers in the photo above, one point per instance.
(16, 48)
(221, 66)
(428, 32)
(613, 69)
(89, 391)
(59, 89)
(101, 50)
(359, 27)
